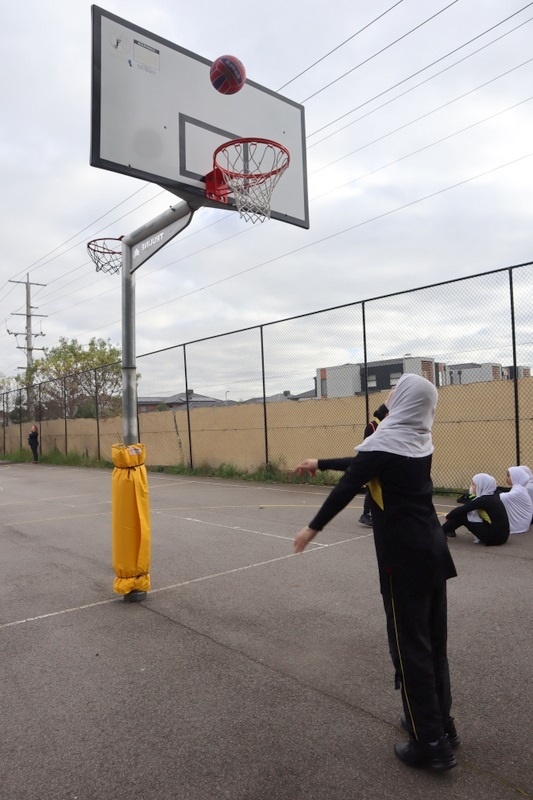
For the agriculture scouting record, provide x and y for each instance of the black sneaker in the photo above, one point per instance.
(366, 519)
(438, 756)
(450, 731)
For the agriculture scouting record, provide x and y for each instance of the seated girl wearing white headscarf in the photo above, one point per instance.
(484, 515)
(529, 486)
(517, 501)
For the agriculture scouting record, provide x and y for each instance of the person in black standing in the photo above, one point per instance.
(414, 562)
(379, 415)
(33, 441)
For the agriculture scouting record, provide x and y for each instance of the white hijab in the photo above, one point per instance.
(406, 430)
(517, 502)
(485, 484)
(529, 486)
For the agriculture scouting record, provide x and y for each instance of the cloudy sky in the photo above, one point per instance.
(419, 137)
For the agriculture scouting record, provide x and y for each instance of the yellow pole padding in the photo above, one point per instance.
(130, 519)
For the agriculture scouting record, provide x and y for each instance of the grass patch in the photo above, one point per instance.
(264, 473)
(71, 459)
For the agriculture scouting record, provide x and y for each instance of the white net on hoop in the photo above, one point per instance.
(251, 169)
(106, 254)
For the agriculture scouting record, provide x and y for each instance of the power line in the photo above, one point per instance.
(379, 52)
(329, 237)
(78, 233)
(423, 69)
(311, 145)
(338, 47)
(383, 166)
(317, 131)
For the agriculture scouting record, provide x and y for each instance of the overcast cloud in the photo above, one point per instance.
(429, 181)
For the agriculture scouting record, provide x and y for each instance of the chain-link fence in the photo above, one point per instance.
(305, 386)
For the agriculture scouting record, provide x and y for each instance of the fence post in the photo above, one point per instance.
(97, 414)
(515, 368)
(365, 359)
(63, 383)
(187, 405)
(265, 418)
(39, 406)
(20, 418)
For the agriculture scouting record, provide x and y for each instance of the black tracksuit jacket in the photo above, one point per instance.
(414, 564)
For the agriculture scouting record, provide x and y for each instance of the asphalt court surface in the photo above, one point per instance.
(248, 673)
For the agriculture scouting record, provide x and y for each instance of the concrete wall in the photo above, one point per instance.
(474, 431)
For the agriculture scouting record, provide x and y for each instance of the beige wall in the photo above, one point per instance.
(474, 432)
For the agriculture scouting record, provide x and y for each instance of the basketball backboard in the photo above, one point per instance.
(156, 116)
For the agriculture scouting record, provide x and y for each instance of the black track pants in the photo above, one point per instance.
(417, 631)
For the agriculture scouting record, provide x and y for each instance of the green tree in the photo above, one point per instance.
(71, 376)
(6, 384)
(9, 398)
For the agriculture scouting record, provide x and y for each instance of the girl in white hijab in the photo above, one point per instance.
(414, 562)
(529, 486)
(517, 501)
(484, 514)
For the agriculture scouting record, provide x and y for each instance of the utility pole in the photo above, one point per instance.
(29, 348)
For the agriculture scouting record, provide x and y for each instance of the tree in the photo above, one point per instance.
(6, 384)
(8, 398)
(72, 376)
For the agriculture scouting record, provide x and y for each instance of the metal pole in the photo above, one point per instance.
(265, 418)
(365, 357)
(137, 247)
(20, 417)
(65, 413)
(129, 377)
(97, 414)
(515, 368)
(189, 430)
(150, 238)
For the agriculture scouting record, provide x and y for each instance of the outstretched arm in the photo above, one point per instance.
(309, 465)
(361, 469)
(302, 538)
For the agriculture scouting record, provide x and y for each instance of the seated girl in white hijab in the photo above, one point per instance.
(517, 501)
(483, 514)
(529, 486)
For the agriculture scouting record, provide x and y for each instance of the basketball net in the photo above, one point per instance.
(250, 169)
(106, 254)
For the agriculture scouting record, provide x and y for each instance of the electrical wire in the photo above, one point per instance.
(314, 133)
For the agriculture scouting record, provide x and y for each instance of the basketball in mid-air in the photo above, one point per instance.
(227, 74)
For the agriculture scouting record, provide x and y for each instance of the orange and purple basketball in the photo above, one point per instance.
(227, 74)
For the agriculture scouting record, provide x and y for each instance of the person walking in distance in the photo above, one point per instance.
(414, 562)
(33, 441)
(379, 415)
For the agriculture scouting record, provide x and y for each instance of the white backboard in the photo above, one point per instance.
(156, 116)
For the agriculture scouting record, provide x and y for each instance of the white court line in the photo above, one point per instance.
(260, 533)
(41, 519)
(162, 483)
(314, 548)
(227, 527)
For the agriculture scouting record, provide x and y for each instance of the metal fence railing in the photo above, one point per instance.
(475, 333)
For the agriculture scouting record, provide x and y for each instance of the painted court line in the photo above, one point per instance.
(260, 533)
(314, 548)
